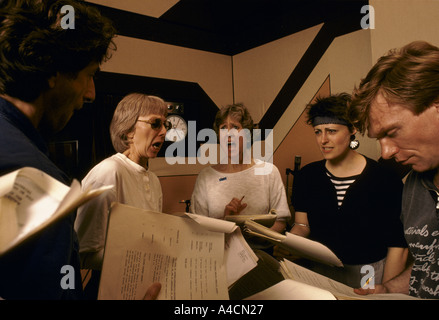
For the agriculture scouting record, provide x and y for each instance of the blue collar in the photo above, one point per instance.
(14, 116)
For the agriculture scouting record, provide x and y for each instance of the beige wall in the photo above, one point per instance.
(398, 22)
(346, 60)
(300, 141)
(213, 72)
(259, 73)
(255, 77)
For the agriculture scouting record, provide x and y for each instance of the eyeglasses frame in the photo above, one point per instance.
(167, 124)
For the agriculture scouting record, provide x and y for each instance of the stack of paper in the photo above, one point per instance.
(193, 259)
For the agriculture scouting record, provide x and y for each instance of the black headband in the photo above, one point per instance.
(328, 120)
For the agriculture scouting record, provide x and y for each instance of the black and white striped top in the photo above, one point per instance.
(341, 185)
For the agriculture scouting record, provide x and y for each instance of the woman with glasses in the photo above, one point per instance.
(138, 130)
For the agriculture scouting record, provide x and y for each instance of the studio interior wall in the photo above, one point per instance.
(398, 22)
(213, 72)
(260, 73)
(147, 58)
(254, 78)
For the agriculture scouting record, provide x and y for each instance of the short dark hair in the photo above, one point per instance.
(34, 46)
(333, 106)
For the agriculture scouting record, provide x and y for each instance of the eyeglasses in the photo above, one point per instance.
(157, 124)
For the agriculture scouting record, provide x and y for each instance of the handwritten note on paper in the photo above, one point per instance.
(34, 205)
(143, 247)
(31, 200)
(28, 200)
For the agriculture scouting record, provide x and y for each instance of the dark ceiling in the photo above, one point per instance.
(219, 26)
(230, 27)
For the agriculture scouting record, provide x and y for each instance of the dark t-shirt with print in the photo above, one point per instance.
(421, 227)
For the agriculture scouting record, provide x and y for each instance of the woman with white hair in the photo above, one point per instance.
(138, 130)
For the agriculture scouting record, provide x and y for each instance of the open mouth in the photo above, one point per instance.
(157, 145)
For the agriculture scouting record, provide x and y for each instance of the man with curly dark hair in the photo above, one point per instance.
(46, 73)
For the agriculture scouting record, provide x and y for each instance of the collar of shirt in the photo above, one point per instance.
(427, 182)
(19, 120)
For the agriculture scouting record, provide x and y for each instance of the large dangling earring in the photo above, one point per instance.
(354, 144)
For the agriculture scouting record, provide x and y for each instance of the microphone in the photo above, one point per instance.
(297, 162)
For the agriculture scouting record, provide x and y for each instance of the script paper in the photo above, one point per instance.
(339, 290)
(213, 224)
(307, 248)
(30, 200)
(239, 257)
(311, 249)
(292, 290)
(143, 247)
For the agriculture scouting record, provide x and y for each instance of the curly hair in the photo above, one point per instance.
(34, 46)
(408, 76)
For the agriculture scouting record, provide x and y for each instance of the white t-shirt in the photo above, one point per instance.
(133, 185)
(214, 190)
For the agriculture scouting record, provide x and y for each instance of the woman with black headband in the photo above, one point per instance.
(348, 202)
